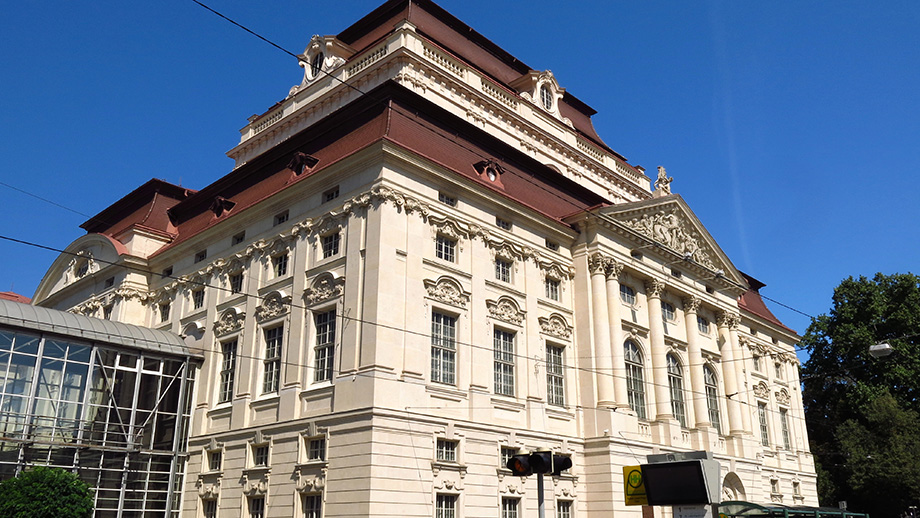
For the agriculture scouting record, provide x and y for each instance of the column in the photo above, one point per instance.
(597, 265)
(695, 363)
(729, 375)
(658, 351)
(616, 333)
(744, 396)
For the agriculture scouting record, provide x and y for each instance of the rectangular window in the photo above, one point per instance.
(227, 371)
(210, 508)
(446, 451)
(167, 272)
(164, 312)
(443, 348)
(110, 282)
(510, 507)
(702, 323)
(215, 458)
(627, 295)
(446, 249)
(260, 455)
(784, 423)
(555, 380)
(447, 200)
(281, 218)
(503, 270)
(272, 362)
(198, 298)
(551, 287)
(280, 265)
(758, 363)
(445, 506)
(256, 507)
(552, 245)
(324, 350)
(563, 509)
(505, 456)
(778, 368)
(502, 224)
(317, 449)
(667, 311)
(764, 429)
(239, 238)
(313, 506)
(236, 283)
(503, 344)
(331, 194)
(330, 245)
(201, 256)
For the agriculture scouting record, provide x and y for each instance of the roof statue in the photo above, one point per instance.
(663, 183)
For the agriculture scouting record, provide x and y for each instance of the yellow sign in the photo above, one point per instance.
(634, 486)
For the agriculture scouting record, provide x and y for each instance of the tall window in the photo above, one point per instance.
(227, 371)
(272, 362)
(313, 505)
(503, 344)
(164, 311)
(505, 456)
(324, 351)
(443, 348)
(712, 397)
(503, 270)
(758, 363)
(563, 509)
(510, 507)
(330, 245)
(784, 423)
(555, 380)
(215, 459)
(627, 295)
(667, 311)
(280, 265)
(446, 249)
(635, 383)
(236, 283)
(676, 386)
(552, 289)
(702, 323)
(764, 429)
(198, 298)
(256, 507)
(210, 508)
(445, 506)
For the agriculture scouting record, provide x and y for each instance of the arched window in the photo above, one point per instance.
(635, 384)
(712, 397)
(676, 384)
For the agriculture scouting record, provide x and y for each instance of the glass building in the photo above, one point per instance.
(107, 400)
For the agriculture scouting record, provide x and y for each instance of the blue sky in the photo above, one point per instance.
(791, 128)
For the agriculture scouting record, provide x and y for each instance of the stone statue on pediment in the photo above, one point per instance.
(663, 183)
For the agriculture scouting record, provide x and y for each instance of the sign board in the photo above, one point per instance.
(687, 482)
(692, 511)
(634, 486)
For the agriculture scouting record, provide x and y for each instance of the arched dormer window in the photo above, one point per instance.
(635, 381)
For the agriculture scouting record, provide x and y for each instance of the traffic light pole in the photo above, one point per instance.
(541, 505)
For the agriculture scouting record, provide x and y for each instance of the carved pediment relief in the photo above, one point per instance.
(552, 270)
(324, 287)
(505, 309)
(230, 321)
(783, 397)
(274, 305)
(448, 291)
(761, 390)
(555, 325)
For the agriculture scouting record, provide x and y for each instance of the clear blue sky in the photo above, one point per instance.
(791, 128)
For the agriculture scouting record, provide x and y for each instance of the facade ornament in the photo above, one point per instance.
(597, 263)
(613, 269)
(255, 487)
(273, 305)
(761, 390)
(310, 480)
(663, 183)
(505, 309)
(691, 303)
(230, 321)
(208, 491)
(670, 228)
(448, 291)
(654, 288)
(324, 287)
(556, 271)
(726, 319)
(556, 326)
(783, 397)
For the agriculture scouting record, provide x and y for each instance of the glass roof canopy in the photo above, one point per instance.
(739, 509)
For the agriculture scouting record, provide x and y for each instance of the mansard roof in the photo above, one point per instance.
(752, 302)
(145, 206)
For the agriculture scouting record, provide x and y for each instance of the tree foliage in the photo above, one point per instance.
(863, 413)
(43, 492)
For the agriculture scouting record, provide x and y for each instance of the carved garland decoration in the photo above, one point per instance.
(506, 310)
(761, 390)
(556, 326)
(324, 287)
(274, 305)
(448, 291)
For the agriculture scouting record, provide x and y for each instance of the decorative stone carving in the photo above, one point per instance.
(555, 325)
(324, 287)
(783, 397)
(597, 264)
(670, 229)
(761, 390)
(554, 270)
(663, 183)
(255, 486)
(729, 320)
(654, 288)
(273, 305)
(448, 291)
(691, 304)
(505, 309)
(613, 269)
(208, 491)
(310, 480)
(230, 321)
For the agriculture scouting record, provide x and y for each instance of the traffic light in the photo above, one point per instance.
(525, 464)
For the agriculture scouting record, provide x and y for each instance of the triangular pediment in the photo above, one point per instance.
(668, 224)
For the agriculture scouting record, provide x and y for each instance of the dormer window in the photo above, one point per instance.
(316, 64)
(490, 171)
(546, 97)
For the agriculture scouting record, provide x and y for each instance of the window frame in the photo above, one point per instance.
(676, 389)
(555, 375)
(627, 295)
(635, 378)
(330, 244)
(764, 424)
(235, 282)
(271, 364)
(711, 383)
(552, 289)
(443, 348)
(324, 323)
(227, 375)
(445, 505)
(445, 248)
(280, 264)
(668, 312)
(503, 364)
(446, 450)
(503, 269)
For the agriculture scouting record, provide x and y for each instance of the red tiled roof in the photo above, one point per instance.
(753, 303)
(15, 297)
(146, 205)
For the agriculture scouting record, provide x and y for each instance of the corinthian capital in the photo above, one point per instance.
(597, 263)
(613, 269)
(729, 320)
(654, 288)
(691, 303)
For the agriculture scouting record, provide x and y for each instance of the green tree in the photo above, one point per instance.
(43, 492)
(862, 412)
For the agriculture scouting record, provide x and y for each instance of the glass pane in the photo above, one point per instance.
(55, 349)
(49, 378)
(6, 340)
(19, 380)
(26, 344)
(79, 353)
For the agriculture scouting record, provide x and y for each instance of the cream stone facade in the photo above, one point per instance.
(424, 260)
